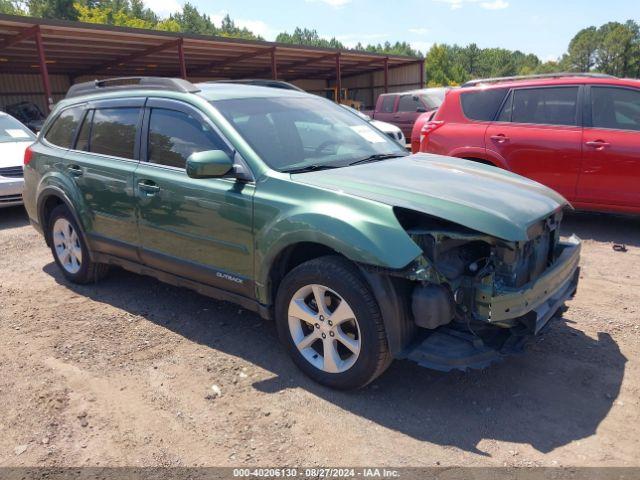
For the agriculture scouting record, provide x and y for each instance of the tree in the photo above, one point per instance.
(228, 28)
(582, 50)
(10, 7)
(618, 49)
(58, 9)
(304, 36)
(192, 21)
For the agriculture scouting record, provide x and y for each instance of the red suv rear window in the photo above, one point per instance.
(482, 104)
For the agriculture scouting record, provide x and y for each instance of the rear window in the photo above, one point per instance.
(13, 131)
(64, 127)
(546, 106)
(408, 103)
(387, 103)
(482, 105)
(113, 132)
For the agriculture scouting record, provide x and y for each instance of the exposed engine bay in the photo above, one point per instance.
(482, 294)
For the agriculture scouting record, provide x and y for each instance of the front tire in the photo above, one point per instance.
(330, 324)
(70, 250)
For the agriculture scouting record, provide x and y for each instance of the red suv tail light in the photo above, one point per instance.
(28, 153)
(428, 128)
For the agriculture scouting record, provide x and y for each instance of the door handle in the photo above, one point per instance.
(598, 144)
(148, 187)
(74, 170)
(500, 138)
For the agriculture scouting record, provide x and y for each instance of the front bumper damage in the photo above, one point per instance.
(512, 318)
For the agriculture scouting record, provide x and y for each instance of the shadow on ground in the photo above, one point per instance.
(556, 393)
(621, 229)
(13, 217)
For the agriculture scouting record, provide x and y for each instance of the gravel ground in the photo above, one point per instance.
(123, 373)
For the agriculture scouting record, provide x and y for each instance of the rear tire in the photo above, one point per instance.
(69, 249)
(341, 344)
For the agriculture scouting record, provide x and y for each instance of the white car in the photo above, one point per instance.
(386, 128)
(14, 139)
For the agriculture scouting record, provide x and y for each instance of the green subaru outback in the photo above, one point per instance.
(299, 210)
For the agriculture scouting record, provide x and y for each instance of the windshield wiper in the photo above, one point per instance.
(376, 158)
(310, 168)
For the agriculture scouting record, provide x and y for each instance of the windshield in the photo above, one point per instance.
(13, 131)
(291, 133)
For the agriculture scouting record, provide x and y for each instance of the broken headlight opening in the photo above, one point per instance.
(478, 298)
(461, 270)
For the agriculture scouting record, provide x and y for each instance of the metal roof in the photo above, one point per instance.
(79, 49)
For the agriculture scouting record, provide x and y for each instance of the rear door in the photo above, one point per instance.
(538, 134)
(611, 144)
(405, 117)
(101, 164)
(200, 229)
(387, 108)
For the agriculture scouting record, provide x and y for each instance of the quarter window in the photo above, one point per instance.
(387, 103)
(174, 136)
(617, 108)
(64, 127)
(113, 132)
(546, 106)
(482, 105)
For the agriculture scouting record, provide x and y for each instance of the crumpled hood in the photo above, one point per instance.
(486, 199)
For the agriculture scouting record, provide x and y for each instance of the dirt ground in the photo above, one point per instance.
(121, 373)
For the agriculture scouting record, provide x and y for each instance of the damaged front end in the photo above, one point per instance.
(477, 298)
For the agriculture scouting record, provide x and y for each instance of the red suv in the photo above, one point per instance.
(578, 134)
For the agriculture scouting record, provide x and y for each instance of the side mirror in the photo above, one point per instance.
(421, 110)
(209, 164)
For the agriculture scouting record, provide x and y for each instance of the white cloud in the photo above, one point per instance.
(256, 26)
(495, 5)
(163, 7)
(331, 3)
(421, 46)
(419, 31)
(350, 40)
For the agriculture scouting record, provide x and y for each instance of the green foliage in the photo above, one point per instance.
(304, 36)
(59, 9)
(11, 7)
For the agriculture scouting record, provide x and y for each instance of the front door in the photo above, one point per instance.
(102, 165)
(537, 133)
(408, 106)
(611, 144)
(200, 229)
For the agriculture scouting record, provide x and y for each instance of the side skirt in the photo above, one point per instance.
(203, 289)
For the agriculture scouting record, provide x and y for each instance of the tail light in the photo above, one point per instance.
(28, 153)
(427, 129)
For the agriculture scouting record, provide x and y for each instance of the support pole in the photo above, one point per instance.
(421, 64)
(338, 78)
(183, 65)
(42, 60)
(386, 75)
(274, 64)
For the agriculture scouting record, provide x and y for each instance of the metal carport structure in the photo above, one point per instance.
(62, 53)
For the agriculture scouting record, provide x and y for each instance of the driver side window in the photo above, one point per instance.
(174, 136)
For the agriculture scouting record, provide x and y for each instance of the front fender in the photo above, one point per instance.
(365, 232)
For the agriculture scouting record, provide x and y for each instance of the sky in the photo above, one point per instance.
(543, 27)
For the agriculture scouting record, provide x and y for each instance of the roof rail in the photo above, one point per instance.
(131, 83)
(479, 81)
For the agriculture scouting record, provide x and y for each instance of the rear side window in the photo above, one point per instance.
(617, 108)
(64, 127)
(113, 132)
(408, 103)
(546, 106)
(387, 103)
(482, 105)
(174, 136)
